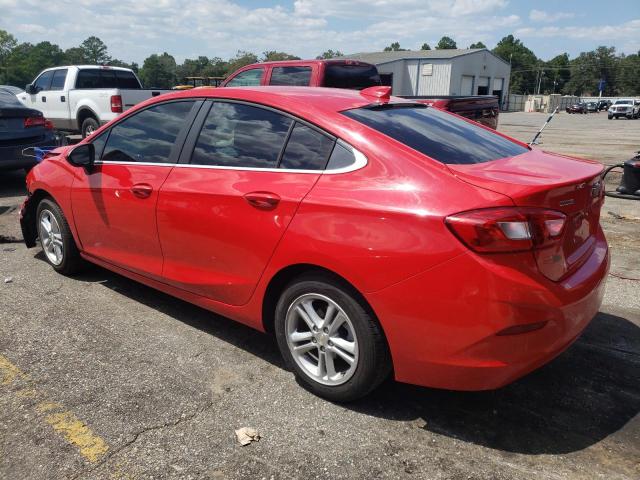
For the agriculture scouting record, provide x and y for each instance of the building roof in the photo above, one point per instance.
(441, 54)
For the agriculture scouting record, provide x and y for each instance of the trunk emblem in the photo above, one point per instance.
(596, 189)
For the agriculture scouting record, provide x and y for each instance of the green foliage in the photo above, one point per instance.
(159, 71)
(95, 51)
(241, 59)
(273, 56)
(446, 43)
(477, 45)
(394, 47)
(330, 54)
(425, 46)
(7, 43)
(524, 64)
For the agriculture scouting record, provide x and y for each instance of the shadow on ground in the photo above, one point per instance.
(12, 184)
(588, 393)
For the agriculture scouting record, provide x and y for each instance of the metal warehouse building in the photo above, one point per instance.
(441, 72)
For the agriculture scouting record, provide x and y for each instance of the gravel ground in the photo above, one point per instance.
(103, 378)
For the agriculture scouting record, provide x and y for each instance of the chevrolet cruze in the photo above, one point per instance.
(372, 235)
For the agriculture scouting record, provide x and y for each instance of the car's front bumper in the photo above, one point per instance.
(12, 158)
(442, 325)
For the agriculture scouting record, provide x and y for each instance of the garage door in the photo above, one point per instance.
(466, 88)
(483, 86)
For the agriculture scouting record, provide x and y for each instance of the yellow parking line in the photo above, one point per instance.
(63, 422)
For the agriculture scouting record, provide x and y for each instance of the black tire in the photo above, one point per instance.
(89, 125)
(374, 361)
(71, 261)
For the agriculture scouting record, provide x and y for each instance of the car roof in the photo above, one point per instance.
(8, 99)
(307, 62)
(302, 100)
(84, 67)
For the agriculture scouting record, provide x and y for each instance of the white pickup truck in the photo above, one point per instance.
(80, 98)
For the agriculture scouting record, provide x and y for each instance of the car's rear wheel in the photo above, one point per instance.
(330, 338)
(55, 236)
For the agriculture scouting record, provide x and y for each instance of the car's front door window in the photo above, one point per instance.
(248, 78)
(43, 82)
(147, 136)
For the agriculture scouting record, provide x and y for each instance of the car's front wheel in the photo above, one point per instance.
(330, 338)
(56, 238)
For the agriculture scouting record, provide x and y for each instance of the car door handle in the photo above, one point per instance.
(44, 99)
(142, 190)
(262, 200)
(63, 99)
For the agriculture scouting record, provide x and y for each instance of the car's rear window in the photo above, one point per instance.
(437, 134)
(356, 77)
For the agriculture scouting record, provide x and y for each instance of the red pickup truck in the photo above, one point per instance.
(353, 74)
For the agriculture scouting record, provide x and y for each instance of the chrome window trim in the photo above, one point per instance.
(361, 161)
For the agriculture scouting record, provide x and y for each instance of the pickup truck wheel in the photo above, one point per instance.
(56, 239)
(89, 125)
(330, 340)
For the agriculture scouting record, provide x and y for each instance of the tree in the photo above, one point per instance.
(159, 71)
(590, 67)
(26, 60)
(477, 45)
(330, 54)
(629, 79)
(241, 59)
(524, 64)
(558, 74)
(95, 51)
(274, 56)
(425, 46)
(446, 43)
(394, 47)
(74, 56)
(7, 43)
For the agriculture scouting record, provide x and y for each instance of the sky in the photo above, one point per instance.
(186, 29)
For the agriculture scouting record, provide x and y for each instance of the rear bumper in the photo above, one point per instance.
(11, 157)
(441, 325)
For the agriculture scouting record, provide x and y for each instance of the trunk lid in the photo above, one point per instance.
(540, 179)
(12, 124)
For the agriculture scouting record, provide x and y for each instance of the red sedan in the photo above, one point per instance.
(371, 234)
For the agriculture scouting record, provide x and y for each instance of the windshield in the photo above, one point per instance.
(623, 102)
(352, 76)
(437, 134)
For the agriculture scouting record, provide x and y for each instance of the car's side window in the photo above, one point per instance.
(307, 149)
(248, 78)
(292, 76)
(147, 136)
(59, 77)
(99, 143)
(88, 78)
(240, 135)
(43, 82)
(344, 156)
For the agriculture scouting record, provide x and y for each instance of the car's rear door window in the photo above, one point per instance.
(352, 76)
(248, 78)
(307, 149)
(88, 78)
(147, 136)
(240, 135)
(437, 134)
(291, 76)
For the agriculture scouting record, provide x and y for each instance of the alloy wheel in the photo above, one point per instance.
(51, 237)
(322, 339)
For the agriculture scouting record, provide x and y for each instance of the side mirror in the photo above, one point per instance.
(30, 89)
(83, 156)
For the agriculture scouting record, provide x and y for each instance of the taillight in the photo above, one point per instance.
(34, 122)
(116, 103)
(48, 124)
(514, 229)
